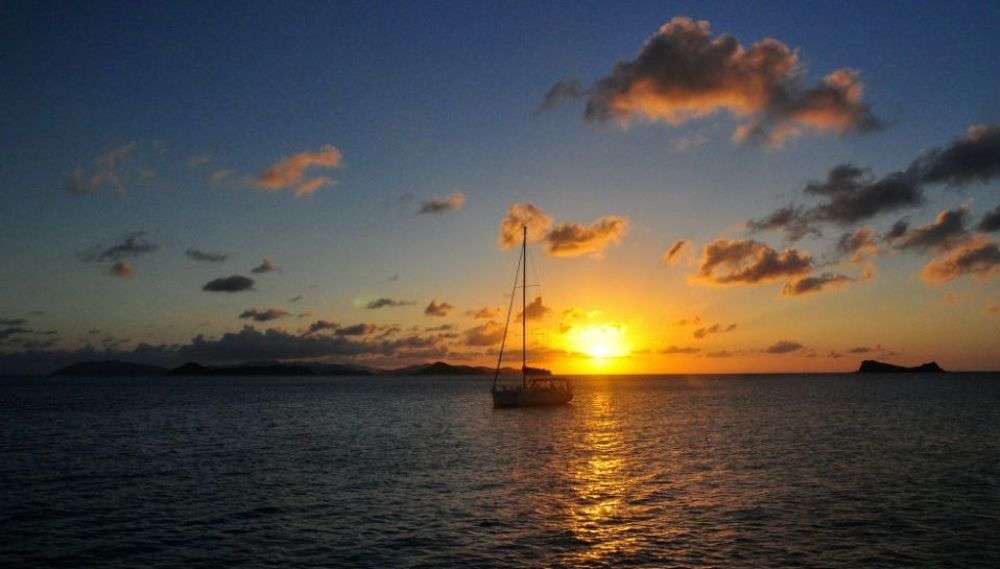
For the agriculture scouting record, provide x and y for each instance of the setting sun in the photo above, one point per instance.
(599, 340)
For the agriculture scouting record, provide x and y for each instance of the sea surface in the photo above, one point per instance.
(672, 471)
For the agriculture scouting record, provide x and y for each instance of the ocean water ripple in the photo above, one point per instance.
(680, 471)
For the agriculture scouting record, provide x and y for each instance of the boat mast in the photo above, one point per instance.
(524, 304)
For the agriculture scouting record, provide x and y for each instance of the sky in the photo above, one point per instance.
(708, 187)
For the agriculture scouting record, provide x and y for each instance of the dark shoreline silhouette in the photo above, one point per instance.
(118, 368)
(874, 366)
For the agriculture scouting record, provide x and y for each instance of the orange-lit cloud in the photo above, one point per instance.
(535, 310)
(978, 256)
(439, 309)
(122, 269)
(818, 283)
(568, 239)
(487, 334)
(487, 313)
(858, 244)
(289, 173)
(749, 262)
(676, 252)
(684, 72)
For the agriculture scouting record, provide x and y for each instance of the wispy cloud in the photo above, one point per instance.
(290, 172)
(263, 314)
(105, 172)
(386, 303)
(454, 202)
(266, 266)
(205, 256)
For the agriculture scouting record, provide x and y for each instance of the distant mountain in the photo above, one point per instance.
(442, 368)
(341, 369)
(193, 368)
(873, 366)
(109, 368)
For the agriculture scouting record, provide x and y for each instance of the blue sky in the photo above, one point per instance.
(427, 99)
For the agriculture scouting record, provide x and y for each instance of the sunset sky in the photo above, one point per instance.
(708, 187)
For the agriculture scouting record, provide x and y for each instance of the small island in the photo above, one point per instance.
(874, 366)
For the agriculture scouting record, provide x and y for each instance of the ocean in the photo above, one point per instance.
(655, 471)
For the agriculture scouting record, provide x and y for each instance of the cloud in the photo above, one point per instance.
(438, 309)
(321, 325)
(130, 245)
(808, 285)
(295, 298)
(944, 233)
(670, 350)
(859, 350)
(484, 313)
(676, 252)
(972, 158)
(858, 244)
(440, 328)
(13, 321)
(851, 195)
(897, 230)
(535, 310)
(704, 331)
(205, 256)
(523, 215)
(574, 239)
(488, 334)
(783, 347)
(263, 315)
(979, 256)
(720, 354)
(684, 72)
(990, 221)
(454, 202)
(233, 283)
(361, 329)
(559, 93)
(266, 266)
(122, 269)
(289, 173)
(749, 262)
(791, 219)
(13, 331)
(106, 172)
(386, 302)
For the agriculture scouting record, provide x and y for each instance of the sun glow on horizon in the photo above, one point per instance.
(599, 341)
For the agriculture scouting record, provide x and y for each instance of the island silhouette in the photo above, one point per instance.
(875, 366)
(118, 368)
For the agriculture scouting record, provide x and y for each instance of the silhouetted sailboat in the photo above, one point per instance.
(534, 391)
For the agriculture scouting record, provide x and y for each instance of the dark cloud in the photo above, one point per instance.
(749, 262)
(783, 347)
(361, 329)
(130, 245)
(858, 244)
(977, 256)
(295, 298)
(790, 219)
(205, 256)
(946, 232)
(13, 321)
(266, 266)
(990, 221)
(454, 202)
(321, 325)
(676, 251)
(670, 350)
(386, 302)
(818, 283)
(488, 334)
(684, 72)
(487, 313)
(834, 354)
(859, 350)
(121, 269)
(13, 331)
(560, 92)
(439, 309)
(233, 283)
(535, 310)
(897, 230)
(441, 328)
(704, 331)
(263, 315)
(289, 173)
(974, 157)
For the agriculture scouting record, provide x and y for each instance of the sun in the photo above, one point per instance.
(599, 340)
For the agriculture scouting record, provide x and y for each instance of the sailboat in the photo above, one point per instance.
(542, 391)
